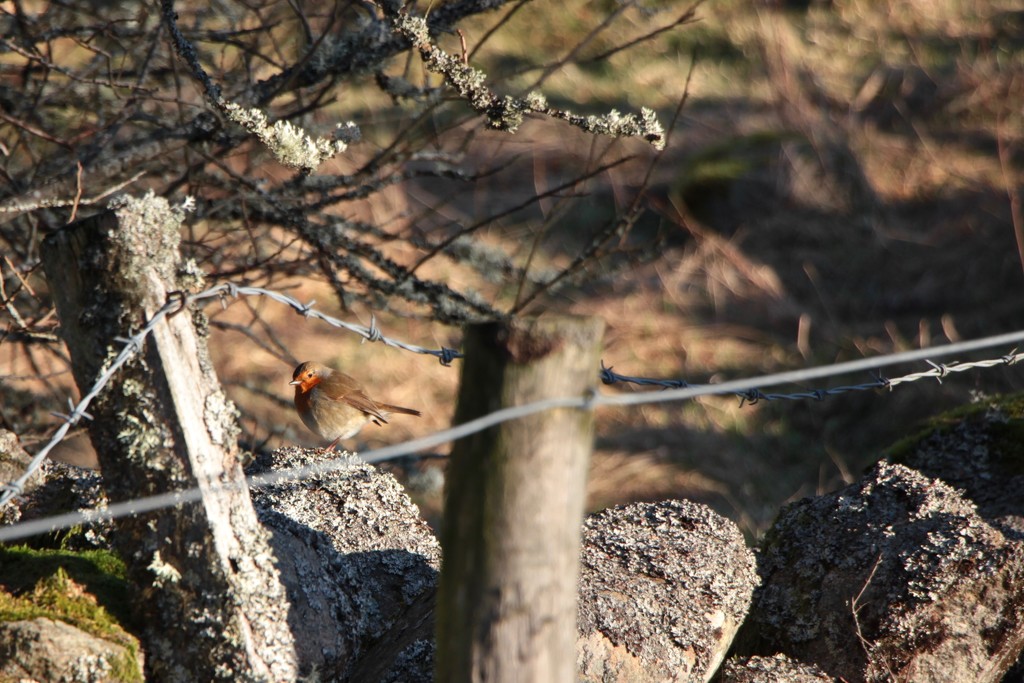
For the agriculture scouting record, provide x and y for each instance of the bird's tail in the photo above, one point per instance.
(397, 409)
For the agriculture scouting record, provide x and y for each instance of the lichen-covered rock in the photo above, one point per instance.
(67, 487)
(775, 669)
(49, 650)
(358, 563)
(894, 577)
(54, 618)
(663, 588)
(981, 453)
(13, 464)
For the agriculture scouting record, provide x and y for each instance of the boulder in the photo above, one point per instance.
(44, 649)
(979, 451)
(893, 577)
(663, 588)
(359, 565)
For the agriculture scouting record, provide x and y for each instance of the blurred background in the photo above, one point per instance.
(840, 180)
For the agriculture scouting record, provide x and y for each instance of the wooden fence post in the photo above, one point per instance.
(506, 607)
(212, 603)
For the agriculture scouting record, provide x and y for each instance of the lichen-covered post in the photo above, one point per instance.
(506, 608)
(212, 601)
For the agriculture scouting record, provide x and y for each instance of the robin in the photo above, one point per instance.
(334, 405)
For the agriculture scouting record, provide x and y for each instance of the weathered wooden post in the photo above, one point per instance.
(213, 605)
(506, 607)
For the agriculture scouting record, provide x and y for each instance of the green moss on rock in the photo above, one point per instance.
(85, 589)
(100, 572)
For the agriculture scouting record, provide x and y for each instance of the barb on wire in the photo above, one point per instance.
(588, 401)
(176, 302)
(371, 333)
(131, 346)
(747, 389)
(746, 396)
(749, 393)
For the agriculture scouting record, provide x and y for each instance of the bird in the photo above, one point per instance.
(334, 405)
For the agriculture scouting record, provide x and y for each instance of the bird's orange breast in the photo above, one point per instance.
(301, 399)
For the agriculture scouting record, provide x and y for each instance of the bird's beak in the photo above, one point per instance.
(294, 382)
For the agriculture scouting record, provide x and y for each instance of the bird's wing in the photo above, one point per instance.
(341, 387)
(357, 399)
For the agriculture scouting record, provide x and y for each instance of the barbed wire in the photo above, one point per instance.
(938, 371)
(372, 333)
(587, 402)
(748, 390)
(177, 301)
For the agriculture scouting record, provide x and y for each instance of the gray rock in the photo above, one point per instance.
(663, 588)
(67, 487)
(47, 650)
(980, 454)
(776, 669)
(894, 577)
(360, 567)
(13, 464)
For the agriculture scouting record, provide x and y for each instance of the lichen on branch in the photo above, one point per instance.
(290, 144)
(506, 113)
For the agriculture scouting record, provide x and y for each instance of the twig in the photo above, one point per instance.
(78, 193)
(855, 608)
